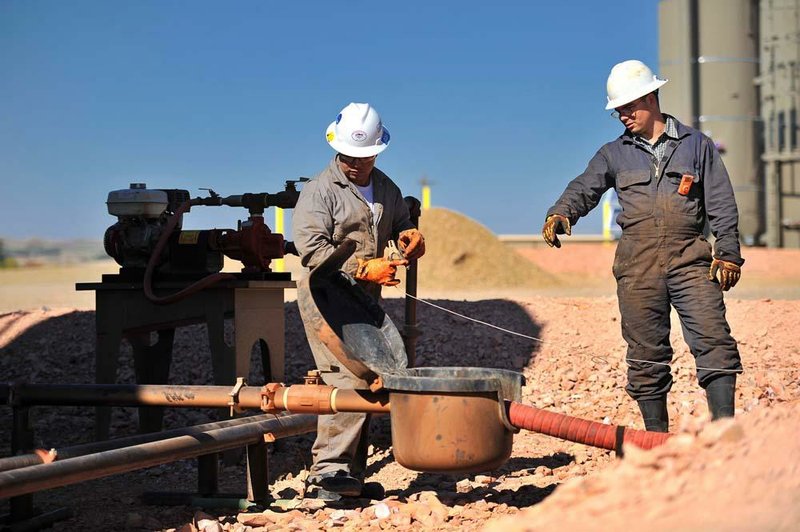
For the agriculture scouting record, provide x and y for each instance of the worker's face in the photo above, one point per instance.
(638, 115)
(357, 169)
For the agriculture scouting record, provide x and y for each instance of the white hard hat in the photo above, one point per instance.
(628, 81)
(358, 131)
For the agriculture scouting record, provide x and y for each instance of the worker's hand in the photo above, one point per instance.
(411, 243)
(729, 274)
(555, 224)
(380, 270)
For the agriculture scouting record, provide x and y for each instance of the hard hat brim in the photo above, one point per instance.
(631, 96)
(355, 151)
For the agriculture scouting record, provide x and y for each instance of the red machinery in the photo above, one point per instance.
(147, 239)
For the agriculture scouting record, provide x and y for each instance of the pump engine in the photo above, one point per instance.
(143, 216)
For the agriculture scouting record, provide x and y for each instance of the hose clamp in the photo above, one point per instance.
(233, 402)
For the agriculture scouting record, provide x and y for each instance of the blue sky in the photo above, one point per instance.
(499, 103)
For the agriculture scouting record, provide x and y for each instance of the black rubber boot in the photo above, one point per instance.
(333, 487)
(654, 414)
(342, 484)
(721, 394)
(337, 487)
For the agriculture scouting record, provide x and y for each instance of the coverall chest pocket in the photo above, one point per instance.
(635, 193)
(359, 233)
(685, 191)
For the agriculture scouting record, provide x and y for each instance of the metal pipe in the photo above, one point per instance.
(317, 399)
(321, 399)
(361, 401)
(131, 395)
(298, 398)
(82, 468)
(410, 329)
(43, 456)
(694, 44)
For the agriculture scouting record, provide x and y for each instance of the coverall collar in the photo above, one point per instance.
(376, 178)
(680, 129)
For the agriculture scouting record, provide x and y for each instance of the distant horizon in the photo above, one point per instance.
(99, 239)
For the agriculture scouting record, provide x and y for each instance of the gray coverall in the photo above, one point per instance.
(330, 209)
(662, 257)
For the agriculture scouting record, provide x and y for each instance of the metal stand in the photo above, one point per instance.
(207, 475)
(122, 310)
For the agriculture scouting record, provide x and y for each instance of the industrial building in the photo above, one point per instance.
(733, 67)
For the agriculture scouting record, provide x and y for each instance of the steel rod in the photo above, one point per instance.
(62, 473)
(25, 460)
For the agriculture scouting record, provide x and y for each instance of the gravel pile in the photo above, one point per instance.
(463, 254)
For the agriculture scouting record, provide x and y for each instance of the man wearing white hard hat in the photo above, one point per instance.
(351, 199)
(670, 180)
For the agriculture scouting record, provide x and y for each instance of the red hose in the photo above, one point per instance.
(582, 431)
(151, 264)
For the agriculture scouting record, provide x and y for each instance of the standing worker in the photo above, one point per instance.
(351, 199)
(669, 178)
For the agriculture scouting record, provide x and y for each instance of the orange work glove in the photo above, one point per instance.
(729, 273)
(380, 270)
(555, 224)
(411, 243)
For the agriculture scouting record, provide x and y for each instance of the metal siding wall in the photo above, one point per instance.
(766, 82)
(780, 58)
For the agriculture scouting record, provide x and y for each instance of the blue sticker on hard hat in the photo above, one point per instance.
(338, 118)
(385, 137)
(358, 135)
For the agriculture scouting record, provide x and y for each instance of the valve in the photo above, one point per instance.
(290, 183)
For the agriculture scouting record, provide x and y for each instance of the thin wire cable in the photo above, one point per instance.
(475, 320)
(627, 360)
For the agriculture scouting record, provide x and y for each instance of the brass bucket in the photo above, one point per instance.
(452, 420)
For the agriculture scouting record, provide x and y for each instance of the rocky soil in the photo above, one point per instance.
(729, 475)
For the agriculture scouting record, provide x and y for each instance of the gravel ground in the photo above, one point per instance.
(732, 475)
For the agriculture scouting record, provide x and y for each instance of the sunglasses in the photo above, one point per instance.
(355, 161)
(628, 109)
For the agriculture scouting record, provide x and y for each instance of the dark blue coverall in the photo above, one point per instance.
(663, 258)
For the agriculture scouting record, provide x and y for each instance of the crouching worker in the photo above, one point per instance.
(351, 199)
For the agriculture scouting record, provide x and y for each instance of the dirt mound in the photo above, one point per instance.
(732, 475)
(463, 254)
